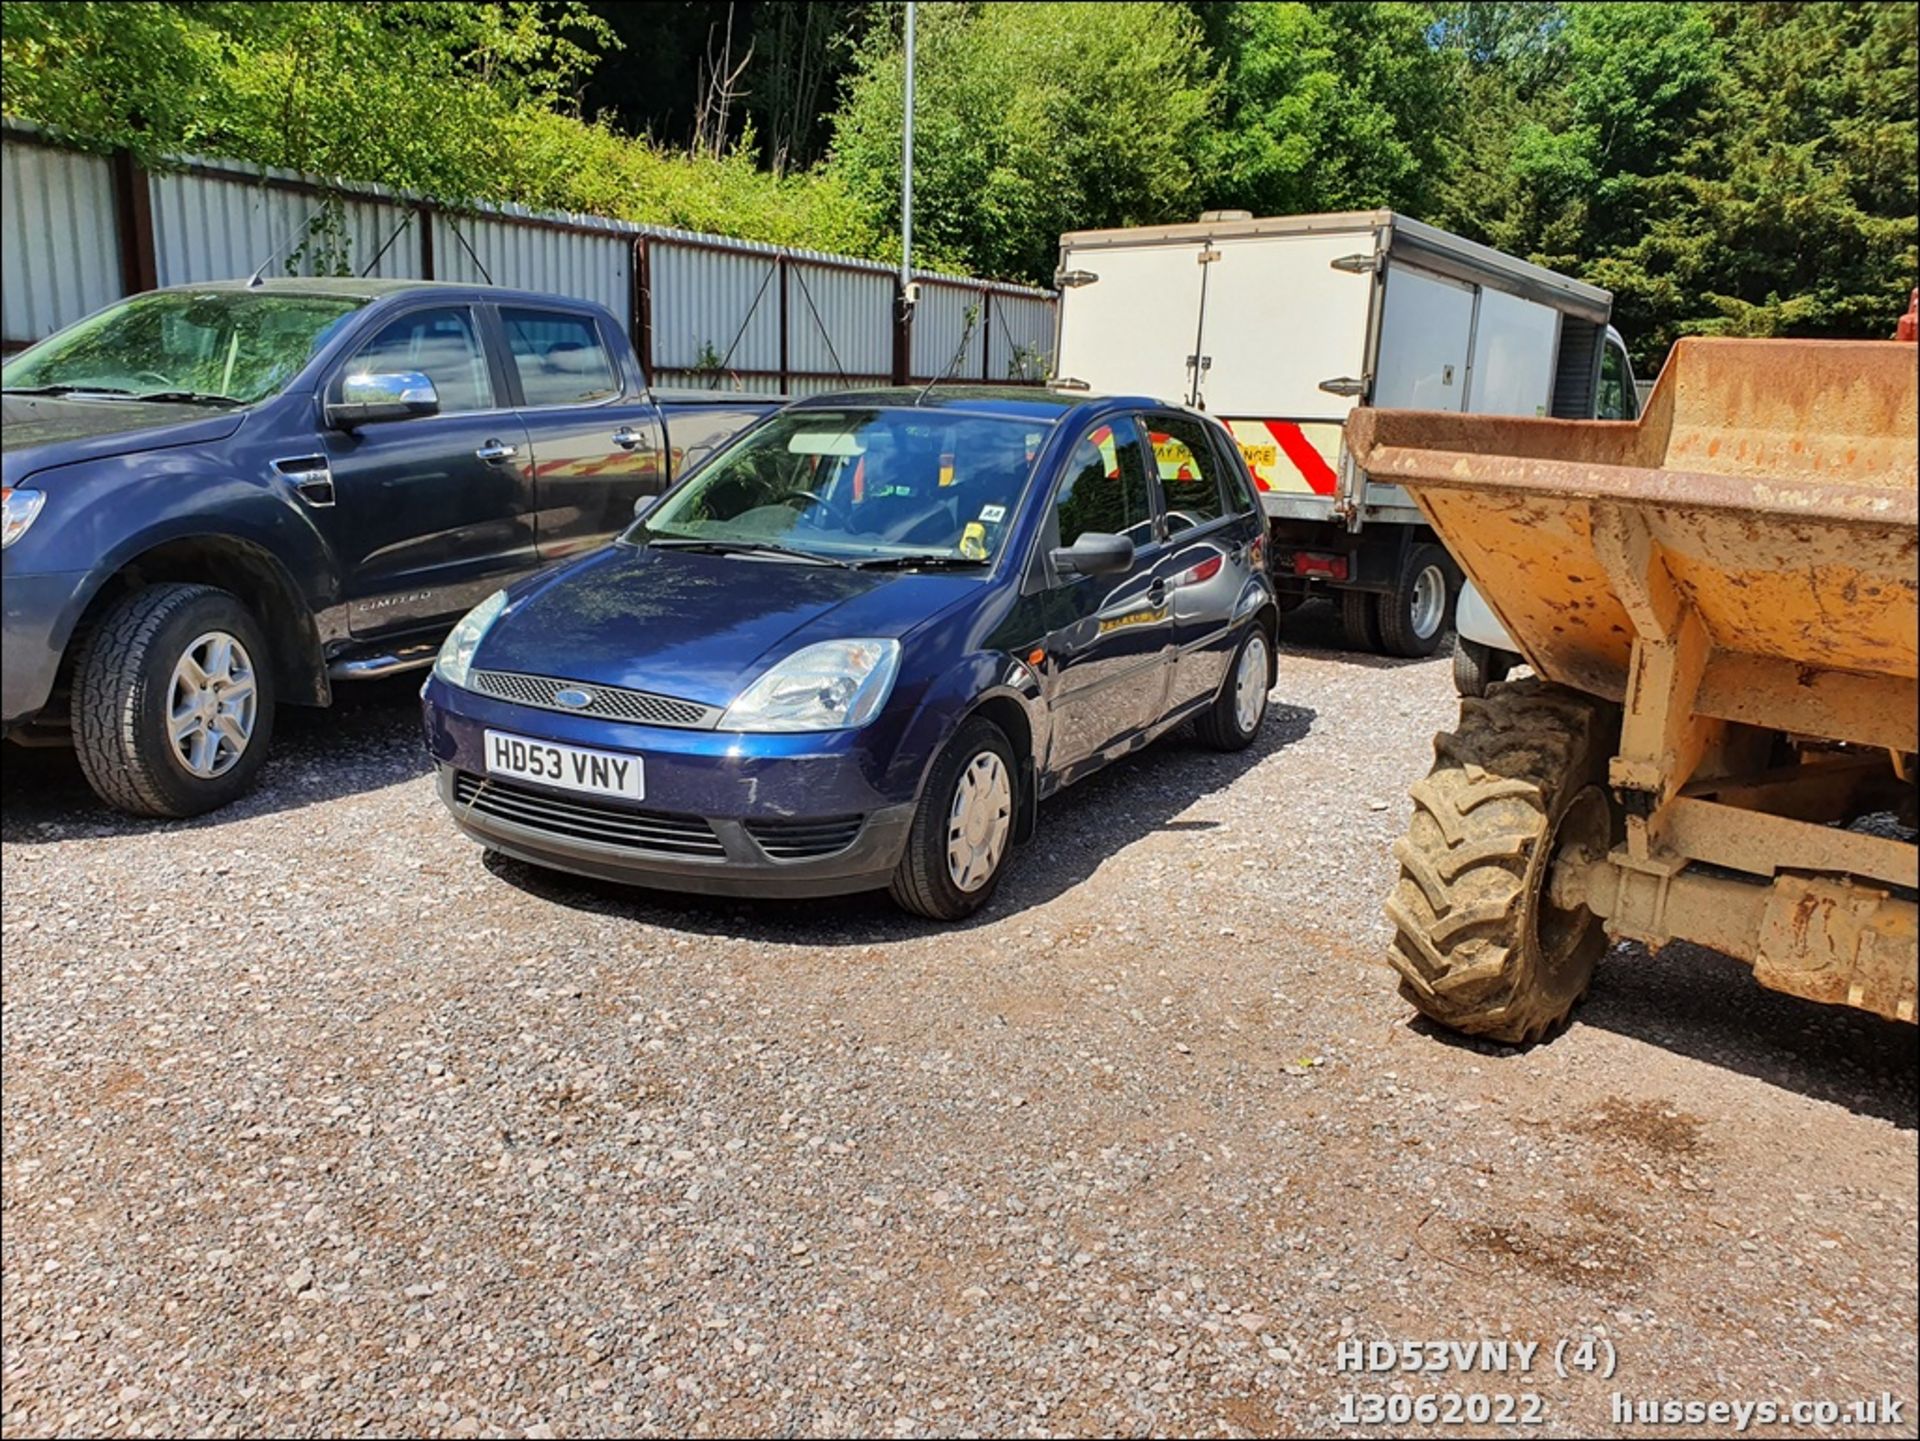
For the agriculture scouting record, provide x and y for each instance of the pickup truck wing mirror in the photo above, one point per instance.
(395, 395)
(1094, 553)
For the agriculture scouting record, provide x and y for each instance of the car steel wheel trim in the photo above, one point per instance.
(1429, 601)
(980, 822)
(212, 705)
(1250, 685)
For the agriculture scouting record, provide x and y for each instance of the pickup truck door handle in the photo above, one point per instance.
(493, 452)
(626, 437)
(1157, 592)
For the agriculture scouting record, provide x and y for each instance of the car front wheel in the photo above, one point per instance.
(173, 701)
(963, 828)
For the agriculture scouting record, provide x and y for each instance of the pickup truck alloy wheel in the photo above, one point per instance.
(214, 703)
(173, 700)
(962, 830)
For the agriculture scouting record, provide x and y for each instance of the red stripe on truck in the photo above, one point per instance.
(1309, 462)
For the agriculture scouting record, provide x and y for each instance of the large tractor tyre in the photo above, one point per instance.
(1477, 666)
(1480, 946)
(1415, 614)
(173, 701)
(1360, 621)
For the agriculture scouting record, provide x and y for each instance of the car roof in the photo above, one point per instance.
(1011, 402)
(372, 288)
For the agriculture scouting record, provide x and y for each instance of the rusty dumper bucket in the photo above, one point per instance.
(1719, 600)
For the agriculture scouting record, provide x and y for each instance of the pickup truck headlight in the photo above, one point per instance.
(835, 685)
(21, 507)
(456, 652)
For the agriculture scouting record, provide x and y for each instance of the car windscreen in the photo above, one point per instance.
(232, 345)
(860, 484)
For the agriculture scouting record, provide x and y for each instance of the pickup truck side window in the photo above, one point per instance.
(1189, 471)
(444, 345)
(560, 357)
(1104, 487)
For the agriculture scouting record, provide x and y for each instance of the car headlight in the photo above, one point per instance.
(835, 685)
(21, 507)
(456, 652)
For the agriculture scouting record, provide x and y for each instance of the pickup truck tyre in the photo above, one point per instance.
(1234, 718)
(963, 827)
(1360, 621)
(173, 701)
(1415, 614)
(1477, 666)
(1479, 944)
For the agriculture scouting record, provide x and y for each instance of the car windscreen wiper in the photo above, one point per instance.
(921, 562)
(187, 397)
(65, 390)
(745, 547)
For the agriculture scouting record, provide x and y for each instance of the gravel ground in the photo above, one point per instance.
(317, 1123)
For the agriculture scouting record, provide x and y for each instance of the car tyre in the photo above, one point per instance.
(1234, 718)
(1415, 614)
(1477, 666)
(962, 830)
(173, 701)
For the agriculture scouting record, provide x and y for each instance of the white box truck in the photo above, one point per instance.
(1279, 327)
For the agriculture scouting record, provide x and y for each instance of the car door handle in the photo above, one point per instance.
(1157, 592)
(626, 437)
(493, 452)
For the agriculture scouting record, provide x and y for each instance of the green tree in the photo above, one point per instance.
(1030, 119)
(1330, 107)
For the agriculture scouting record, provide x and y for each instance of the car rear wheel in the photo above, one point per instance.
(173, 701)
(1233, 720)
(963, 828)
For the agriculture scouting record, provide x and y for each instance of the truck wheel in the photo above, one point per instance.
(1360, 621)
(1477, 666)
(1480, 947)
(172, 701)
(1233, 720)
(1419, 608)
(962, 829)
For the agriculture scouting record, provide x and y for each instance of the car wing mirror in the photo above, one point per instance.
(390, 395)
(1095, 553)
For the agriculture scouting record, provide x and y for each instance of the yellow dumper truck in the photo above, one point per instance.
(1719, 604)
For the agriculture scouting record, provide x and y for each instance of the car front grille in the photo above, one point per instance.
(584, 819)
(804, 839)
(608, 702)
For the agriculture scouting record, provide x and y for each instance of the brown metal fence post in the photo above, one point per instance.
(986, 334)
(133, 220)
(785, 384)
(426, 242)
(641, 326)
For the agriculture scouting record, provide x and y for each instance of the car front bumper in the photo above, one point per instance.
(794, 816)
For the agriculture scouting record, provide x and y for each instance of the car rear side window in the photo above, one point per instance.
(443, 345)
(1105, 487)
(1190, 471)
(560, 357)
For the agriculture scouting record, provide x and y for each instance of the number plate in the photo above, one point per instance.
(600, 773)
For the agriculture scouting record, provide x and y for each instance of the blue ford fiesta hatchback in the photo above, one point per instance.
(860, 645)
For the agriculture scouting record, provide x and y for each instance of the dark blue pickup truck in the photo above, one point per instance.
(222, 498)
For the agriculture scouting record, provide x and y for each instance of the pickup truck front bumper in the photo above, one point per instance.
(37, 617)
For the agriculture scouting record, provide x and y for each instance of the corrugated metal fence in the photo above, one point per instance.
(80, 230)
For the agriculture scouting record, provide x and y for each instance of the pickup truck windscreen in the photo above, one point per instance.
(221, 346)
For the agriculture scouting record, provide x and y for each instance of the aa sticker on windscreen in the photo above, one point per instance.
(993, 514)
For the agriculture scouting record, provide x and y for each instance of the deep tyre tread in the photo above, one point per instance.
(1474, 861)
(1218, 727)
(921, 883)
(1395, 610)
(1360, 621)
(122, 672)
